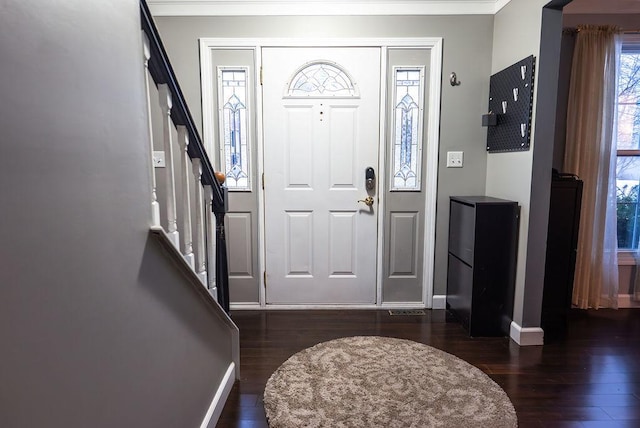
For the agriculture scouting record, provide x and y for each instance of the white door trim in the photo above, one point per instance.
(432, 135)
(382, 172)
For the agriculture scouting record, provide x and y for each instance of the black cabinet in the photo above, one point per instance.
(562, 244)
(482, 263)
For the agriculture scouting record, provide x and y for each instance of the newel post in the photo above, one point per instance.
(220, 208)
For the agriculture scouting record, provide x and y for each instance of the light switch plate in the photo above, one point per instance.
(454, 159)
(158, 159)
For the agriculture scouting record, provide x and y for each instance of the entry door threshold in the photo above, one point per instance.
(278, 306)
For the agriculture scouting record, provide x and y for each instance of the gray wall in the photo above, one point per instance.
(97, 330)
(626, 278)
(524, 28)
(467, 50)
(516, 36)
(566, 56)
(627, 21)
(545, 116)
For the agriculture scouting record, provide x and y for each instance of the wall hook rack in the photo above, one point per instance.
(453, 79)
(510, 106)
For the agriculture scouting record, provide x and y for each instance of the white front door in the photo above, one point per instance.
(321, 132)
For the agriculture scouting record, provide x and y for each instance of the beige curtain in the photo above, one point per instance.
(590, 154)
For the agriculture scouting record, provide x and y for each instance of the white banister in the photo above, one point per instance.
(210, 226)
(201, 262)
(166, 103)
(185, 166)
(155, 206)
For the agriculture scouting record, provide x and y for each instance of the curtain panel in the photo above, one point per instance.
(590, 153)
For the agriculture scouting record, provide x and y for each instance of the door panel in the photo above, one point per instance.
(298, 242)
(239, 225)
(405, 215)
(320, 241)
(299, 146)
(403, 255)
(242, 219)
(343, 144)
(342, 243)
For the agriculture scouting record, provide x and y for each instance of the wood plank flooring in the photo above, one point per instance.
(590, 378)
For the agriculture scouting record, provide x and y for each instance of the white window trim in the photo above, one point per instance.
(626, 255)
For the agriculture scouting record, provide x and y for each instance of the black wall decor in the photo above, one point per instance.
(510, 100)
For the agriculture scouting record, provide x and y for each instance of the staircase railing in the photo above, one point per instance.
(188, 203)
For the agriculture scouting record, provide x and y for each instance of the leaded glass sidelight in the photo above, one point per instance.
(321, 79)
(408, 101)
(233, 105)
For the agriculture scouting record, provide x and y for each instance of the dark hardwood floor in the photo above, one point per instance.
(591, 378)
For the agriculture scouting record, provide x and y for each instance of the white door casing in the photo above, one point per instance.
(321, 243)
(208, 50)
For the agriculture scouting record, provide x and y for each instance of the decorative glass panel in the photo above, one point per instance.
(408, 101)
(321, 79)
(233, 110)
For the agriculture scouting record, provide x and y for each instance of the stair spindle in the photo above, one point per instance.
(155, 206)
(166, 103)
(201, 262)
(185, 166)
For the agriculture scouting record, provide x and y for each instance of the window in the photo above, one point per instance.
(321, 79)
(408, 101)
(234, 130)
(628, 146)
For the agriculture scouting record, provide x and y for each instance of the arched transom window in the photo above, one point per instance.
(321, 79)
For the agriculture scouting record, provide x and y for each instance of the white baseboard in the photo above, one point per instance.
(439, 301)
(242, 306)
(626, 301)
(217, 404)
(526, 336)
(401, 305)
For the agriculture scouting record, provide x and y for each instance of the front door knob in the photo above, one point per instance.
(368, 201)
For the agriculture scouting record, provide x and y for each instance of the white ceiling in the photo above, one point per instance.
(324, 7)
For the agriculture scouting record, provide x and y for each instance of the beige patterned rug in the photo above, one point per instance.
(370, 381)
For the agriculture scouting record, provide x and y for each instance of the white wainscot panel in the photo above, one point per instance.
(403, 251)
(343, 140)
(299, 231)
(240, 251)
(342, 239)
(299, 147)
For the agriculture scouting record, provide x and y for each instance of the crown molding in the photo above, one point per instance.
(323, 7)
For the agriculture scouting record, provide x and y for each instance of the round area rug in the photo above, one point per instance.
(370, 381)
